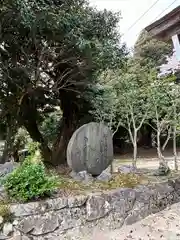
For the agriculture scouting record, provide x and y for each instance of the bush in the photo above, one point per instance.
(29, 182)
(5, 212)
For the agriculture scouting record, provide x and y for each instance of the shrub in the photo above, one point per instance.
(30, 181)
(5, 212)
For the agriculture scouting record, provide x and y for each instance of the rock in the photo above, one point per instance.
(126, 169)
(97, 207)
(1, 219)
(77, 201)
(82, 176)
(40, 224)
(163, 170)
(33, 208)
(7, 229)
(104, 177)
(15, 222)
(44, 224)
(141, 206)
(122, 201)
(90, 149)
(26, 238)
(17, 236)
(3, 237)
(176, 185)
(22, 210)
(3, 193)
(7, 168)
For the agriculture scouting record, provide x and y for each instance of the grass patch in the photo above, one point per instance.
(121, 181)
(118, 181)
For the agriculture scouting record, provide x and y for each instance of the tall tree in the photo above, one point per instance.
(159, 95)
(51, 50)
(151, 52)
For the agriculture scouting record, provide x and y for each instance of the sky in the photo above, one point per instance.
(131, 10)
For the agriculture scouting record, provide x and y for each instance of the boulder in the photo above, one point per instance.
(90, 149)
(163, 170)
(7, 168)
(7, 229)
(97, 207)
(82, 176)
(126, 169)
(104, 177)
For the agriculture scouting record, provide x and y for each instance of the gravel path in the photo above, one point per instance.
(160, 226)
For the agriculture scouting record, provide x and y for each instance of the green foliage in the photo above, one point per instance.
(22, 139)
(49, 126)
(29, 181)
(32, 148)
(160, 94)
(104, 104)
(150, 52)
(5, 212)
(50, 52)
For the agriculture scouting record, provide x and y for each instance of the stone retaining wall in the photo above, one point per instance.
(53, 218)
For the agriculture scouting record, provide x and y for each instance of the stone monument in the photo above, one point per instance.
(90, 149)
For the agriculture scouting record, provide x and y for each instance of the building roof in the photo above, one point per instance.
(166, 26)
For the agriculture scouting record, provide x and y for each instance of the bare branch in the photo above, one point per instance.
(117, 127)
(142, 121)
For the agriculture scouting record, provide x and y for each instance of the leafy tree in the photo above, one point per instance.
(150, 52)
(133, 107)
(123, 102)
(175, 118)
(161, 114)
(50, 52)
(104, 101)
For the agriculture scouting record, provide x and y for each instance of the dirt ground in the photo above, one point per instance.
(147, 158)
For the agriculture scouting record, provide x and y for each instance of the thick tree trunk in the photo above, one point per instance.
(67, 127)
(60, 147)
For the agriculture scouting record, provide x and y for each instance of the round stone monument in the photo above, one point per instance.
(90, 149)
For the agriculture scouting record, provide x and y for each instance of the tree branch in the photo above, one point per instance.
(167, 139)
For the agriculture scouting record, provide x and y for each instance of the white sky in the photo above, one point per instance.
(131, 10)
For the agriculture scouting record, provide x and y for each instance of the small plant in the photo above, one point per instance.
(5, 212)
(30, 181)
(121, 181)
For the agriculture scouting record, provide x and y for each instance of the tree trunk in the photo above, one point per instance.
(163, 164)
(8, 145)
(60, 147)
(68, 125)
(175, 149)
(134, 163)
